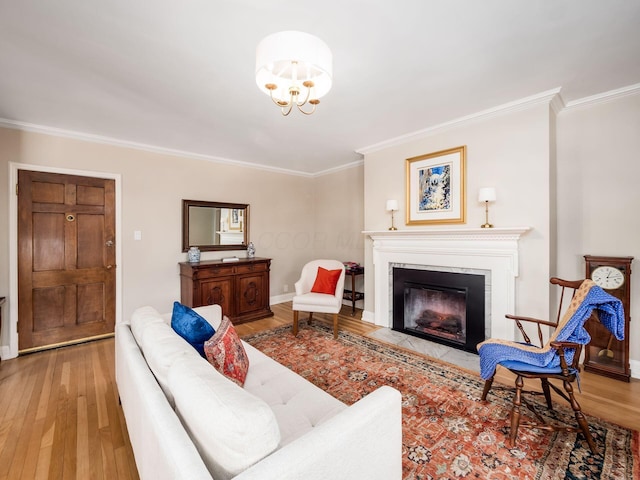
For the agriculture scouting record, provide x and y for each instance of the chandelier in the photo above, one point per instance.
(294, 69)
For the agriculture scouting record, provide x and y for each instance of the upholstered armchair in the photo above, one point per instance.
(319, 289)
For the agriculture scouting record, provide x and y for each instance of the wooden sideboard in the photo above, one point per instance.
(241, 288)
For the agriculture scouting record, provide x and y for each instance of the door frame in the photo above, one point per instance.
(11, 350)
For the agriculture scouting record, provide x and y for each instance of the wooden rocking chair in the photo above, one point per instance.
(565, 373)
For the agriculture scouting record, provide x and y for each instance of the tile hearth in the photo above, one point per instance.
(440, 352)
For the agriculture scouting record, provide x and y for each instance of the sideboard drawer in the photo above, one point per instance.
(252, 268)
(212, 272)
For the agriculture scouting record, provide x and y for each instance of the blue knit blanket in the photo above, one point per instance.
(570, 328)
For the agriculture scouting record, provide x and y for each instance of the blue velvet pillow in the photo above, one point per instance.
(191, 326)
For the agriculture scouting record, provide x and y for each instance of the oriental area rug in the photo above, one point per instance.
(448, 433)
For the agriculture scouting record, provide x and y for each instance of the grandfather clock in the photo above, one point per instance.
(606, 355)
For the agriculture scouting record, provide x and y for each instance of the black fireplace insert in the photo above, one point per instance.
(444, 307)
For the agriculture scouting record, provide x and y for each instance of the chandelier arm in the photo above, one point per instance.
(306, 98)
(286, 107)
(277, 102)
(307, 113)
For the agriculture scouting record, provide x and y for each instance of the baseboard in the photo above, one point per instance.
(368, 316)
(285, 297)
(5, 352)
(635, 368)
(359, 303)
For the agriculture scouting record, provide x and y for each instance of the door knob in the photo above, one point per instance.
(109, 243)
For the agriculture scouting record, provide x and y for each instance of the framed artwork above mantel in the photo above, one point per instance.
(436, 187)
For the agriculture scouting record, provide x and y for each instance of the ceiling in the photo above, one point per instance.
(179, 75)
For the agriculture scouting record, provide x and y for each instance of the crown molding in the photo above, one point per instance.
(603, 97)
(557, 104)
(540, 98)
(339, 168)
(553, 97)
(88, 137)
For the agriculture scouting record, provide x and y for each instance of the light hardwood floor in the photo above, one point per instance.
(60, 417)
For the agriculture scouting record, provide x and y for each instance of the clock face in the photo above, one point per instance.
(608, 277)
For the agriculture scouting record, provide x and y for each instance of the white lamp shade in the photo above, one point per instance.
(275, 57)
(487, 194)
(392, 205)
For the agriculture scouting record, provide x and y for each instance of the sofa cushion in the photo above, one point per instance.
(326, 281)
(231, 428)
(160, 347)
(298, 405)
(225, 352)
(191, 326)
(159, 344)
(315, 300)
(141, 318)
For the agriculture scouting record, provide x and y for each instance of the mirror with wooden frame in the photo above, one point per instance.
(214, 225)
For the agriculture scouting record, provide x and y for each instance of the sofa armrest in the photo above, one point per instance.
(362, 441)
(161, 447)
(211, 313)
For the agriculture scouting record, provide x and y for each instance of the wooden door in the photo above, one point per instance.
(66, 258)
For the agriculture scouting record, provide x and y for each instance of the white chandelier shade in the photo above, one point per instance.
(293, 65)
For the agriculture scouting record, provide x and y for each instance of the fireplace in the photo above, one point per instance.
(441, 306)
(492, 252)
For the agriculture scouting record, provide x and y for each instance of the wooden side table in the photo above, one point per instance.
(352, 294)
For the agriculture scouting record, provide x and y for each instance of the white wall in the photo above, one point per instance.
(339, 220)
(509, 151)
(573, 178)
(334, 208)
(599, 192)
(339, 215)
(293, 218)
(153, 186)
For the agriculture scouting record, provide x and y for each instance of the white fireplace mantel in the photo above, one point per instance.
(490, 249)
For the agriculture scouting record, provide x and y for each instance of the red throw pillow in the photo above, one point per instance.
(225, 352)
(326, 281)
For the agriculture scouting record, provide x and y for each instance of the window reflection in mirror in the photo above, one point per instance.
(214, 225)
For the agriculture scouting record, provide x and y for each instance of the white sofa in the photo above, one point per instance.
(188, 421)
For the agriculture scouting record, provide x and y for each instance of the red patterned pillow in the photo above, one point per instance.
(326, 281)
(225, 352)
